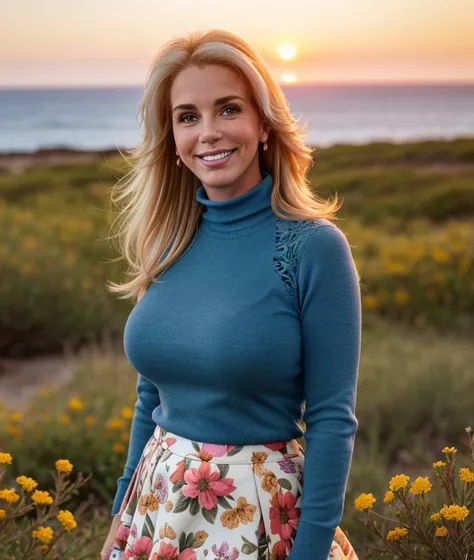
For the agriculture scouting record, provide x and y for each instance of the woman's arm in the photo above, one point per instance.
(142, 428)
(330, 303)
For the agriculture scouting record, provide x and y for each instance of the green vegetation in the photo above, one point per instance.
(408, 214)
(414, 398)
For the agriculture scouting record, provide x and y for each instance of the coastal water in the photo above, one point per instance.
(96, 118)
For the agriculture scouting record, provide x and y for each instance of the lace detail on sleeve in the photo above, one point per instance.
(290, 237)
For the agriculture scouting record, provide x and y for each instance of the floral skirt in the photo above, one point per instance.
(194, 501)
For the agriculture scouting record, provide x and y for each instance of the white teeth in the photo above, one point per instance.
(217, 156)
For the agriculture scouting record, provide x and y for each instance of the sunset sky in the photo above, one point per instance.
(100, 42)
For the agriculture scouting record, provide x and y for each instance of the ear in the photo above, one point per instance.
(265, 132)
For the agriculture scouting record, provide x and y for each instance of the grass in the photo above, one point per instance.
(408, 214)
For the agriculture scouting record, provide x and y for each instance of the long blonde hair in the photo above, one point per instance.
(160, 214)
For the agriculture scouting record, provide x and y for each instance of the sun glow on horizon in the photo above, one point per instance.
(287, 51)
(288, 78)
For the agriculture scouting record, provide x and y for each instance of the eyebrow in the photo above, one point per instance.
(217, 102)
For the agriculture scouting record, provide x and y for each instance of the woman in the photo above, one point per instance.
(256, 312)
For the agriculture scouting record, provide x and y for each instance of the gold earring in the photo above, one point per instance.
(265, 147)
(178, 162)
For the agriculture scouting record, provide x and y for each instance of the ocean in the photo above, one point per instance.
(102, 118)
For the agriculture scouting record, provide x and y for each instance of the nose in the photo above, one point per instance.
(209, 131)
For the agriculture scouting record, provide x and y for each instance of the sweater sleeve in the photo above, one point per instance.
(142, 429)
(330, 304)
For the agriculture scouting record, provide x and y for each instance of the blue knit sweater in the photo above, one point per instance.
(259, 316)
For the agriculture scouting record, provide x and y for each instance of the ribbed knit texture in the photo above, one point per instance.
(258, 316)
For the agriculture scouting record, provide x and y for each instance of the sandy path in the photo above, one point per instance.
(20, 378)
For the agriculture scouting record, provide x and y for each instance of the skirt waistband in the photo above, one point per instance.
(226, 454)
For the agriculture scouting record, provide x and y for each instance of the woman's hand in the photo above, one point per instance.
(109, 541)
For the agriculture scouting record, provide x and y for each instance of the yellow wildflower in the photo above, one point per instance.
(466, 475)
(43, 534)
(5, 458)
(364, 501)
(398, 482)
(13, 430)
(66, 518)
(440, 255)
(369, 302)
(436, 517)
(15, 417)
(119, 447)
(125, 436)
(454, 512)
(42, 497)
(9, 495)
(449, 450)
(116, 424)
(439, 464)
(389, 497)
(127, 412)
(401, 296)
(441, 531)
(397, 533)
(64, 419)
(3, 514)
(89, 420)
(27, 483)
(64, 465)
(75, 404)
(420, 485)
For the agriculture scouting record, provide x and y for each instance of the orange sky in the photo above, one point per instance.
(53, 43)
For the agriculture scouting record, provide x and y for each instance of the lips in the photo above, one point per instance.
(218, 153)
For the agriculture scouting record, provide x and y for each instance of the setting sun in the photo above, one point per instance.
(288, 78)
(287, 52)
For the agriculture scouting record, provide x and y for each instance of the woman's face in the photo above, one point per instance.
(218, 116)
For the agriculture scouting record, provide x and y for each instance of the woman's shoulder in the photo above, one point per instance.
(295, 234)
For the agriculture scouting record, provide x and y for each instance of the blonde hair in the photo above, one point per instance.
(160, 215)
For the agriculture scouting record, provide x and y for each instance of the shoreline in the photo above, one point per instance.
(17, 161)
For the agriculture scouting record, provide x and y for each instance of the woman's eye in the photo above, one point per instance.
(236, 109)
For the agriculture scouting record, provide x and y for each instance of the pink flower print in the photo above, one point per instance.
(205, 485)
(133, 530)
(222, 553)
(121, 536)
(161, 489)
(166, 552)
(276, 446)
(281, 549)
(187, 554)
(169, 552)
(217, 450)
(140, 550)
(284, 515)
(178, 473)
(169, 442)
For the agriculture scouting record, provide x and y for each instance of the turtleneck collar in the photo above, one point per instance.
(241, 212)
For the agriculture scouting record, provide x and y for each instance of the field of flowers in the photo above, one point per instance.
(410, 228)
(409, 217)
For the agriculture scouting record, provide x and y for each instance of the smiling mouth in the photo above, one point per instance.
(217, 157)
